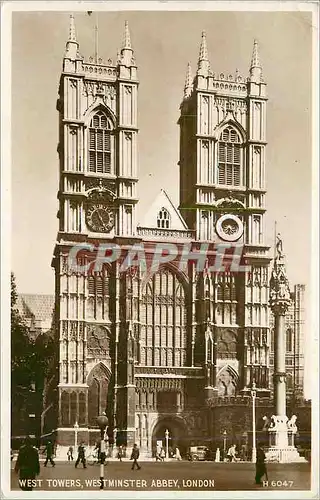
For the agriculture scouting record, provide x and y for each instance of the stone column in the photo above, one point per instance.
(279, 448)
(280, 362)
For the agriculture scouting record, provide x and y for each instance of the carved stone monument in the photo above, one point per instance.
(281, 429)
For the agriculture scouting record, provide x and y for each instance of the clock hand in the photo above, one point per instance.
(100, 219)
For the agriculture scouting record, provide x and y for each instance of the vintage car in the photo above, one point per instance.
(198, 453)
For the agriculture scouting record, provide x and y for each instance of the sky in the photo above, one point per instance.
(164, 43)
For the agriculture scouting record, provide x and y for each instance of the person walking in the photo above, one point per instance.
(134, 456)
(81, 456)
(178, 454)
(70, 453)
(158, 453)
(120, 453)
(49, 453)
(162, 454)
(261, 469)
(232, 453)
(27, 465)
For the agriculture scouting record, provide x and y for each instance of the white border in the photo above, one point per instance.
(6, 10)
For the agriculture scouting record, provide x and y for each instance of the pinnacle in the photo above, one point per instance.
(188, 82)
(203, 56)
(72, 30)
(255, 61)
(127, 40)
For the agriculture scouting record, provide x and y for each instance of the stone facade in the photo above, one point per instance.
(152, 347)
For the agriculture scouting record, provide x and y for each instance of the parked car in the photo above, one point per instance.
(196, 453)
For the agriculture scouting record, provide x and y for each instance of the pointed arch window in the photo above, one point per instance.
(229, 157)
(164, 219)
(163, 316)
(100, 144)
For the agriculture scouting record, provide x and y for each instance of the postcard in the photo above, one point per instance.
(159, 249)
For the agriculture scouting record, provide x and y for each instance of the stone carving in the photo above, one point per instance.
(279, 247)
(279, 285)
(159, 384)
(196, 372)
(266, 424)
(278, 423)
(292, 424)
(230, 203)
(168, 233)
(97, 342)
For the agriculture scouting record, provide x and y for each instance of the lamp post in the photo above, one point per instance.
(224, 443)
(102, 421)
(253, 395)
(76, 428)
(167, 443)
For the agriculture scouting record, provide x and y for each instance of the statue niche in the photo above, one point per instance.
(227, 381)
(98, 342)
(99, 398)
(227, 345)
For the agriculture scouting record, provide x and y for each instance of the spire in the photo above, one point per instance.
(255, 61)
(127, 57)
(203, 61)
(189, 83)
(72, 30)
(203, 56)
(126, 41)
(72, 45)
(255, 67)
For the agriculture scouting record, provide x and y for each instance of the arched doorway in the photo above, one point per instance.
(178, 435)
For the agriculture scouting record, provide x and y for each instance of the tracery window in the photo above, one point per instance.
(229, 157)
(100, 144)
(163, 219)
(98, 295)
(163, 339)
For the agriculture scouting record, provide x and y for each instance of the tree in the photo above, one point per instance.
(29, 368)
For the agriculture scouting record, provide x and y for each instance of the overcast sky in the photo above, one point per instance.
(164, 42)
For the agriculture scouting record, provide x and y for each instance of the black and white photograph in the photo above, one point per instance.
(159, 249)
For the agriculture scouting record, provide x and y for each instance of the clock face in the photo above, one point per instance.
(229, 227)
(100, 218)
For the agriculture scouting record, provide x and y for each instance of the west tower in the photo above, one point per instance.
(97, 149)
(222, 199)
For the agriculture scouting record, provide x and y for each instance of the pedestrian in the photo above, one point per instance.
(97, 450)
(261, 469)
(27, 465)
(120, 453)
(158, 452)
(232, 453)
(49, 453)
(162, 454)
(244, 452)
(177, 454)
(134, 456)
(81, 456)
(70, 453)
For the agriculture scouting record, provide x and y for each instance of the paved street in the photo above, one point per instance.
(185, 476)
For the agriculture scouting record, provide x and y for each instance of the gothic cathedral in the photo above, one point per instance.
(151, 347)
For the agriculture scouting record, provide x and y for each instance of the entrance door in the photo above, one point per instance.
(177, 435)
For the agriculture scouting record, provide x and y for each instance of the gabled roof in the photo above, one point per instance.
(163, 201)
(36, 307)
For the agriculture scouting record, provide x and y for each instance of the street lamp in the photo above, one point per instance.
(167, 443)
(102, 421)
(253, 395)
(224, 443)
(76, 428)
